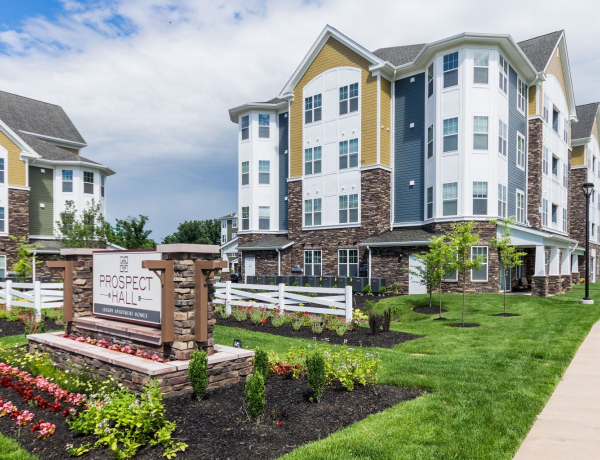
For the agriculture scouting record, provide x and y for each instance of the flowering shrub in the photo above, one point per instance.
(240, 313)
(278, 320)
(358, 318)
(24, 418)
(44, 429)
(30, 322)
(123, 349)
(259, 315)
(337, 324)
(317, 324)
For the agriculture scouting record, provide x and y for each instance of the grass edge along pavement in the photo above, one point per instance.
(485, 385)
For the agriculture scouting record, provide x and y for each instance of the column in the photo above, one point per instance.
(554, 262)
(539, 285)
(565, 270)
(574, 263)
(540, 260)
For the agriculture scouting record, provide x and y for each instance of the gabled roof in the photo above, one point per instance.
(401, 237)
(539, 49)
(399, 55)
(23, 114)
(266, 243)
(48, 151)
(229, 216)
(586, 115)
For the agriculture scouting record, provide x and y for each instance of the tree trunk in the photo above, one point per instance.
(430, 296)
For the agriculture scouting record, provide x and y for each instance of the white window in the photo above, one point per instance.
(502, 138)
(503, 74)
(480, 274)
(264, 123)
(264, 172)
(544, 212)
(233, 236)
(2, 220)
(520, 207)
(223, 224)
(102, 182)
(312, 161)
(223, 239)
(1, 170)
(348, 262)
(521, 149)
(234, 223)
(521, 95)
(451, 135)
(2, 267)
(349, 99)
(565, 220)
(429, 202)
(566, 130)
(565, 175)
(451, 70)
(545, 112)
(480, 69)
(312, 212)
(555, 166)
(430, 81)
(555, 117)
(349, 154)
(312, 108)
(245, 218)
(545, 160)
(245, 126)
(245, 172)
(312, 263)
(480, 195)
(480, 133)
(502, 200)
(430, 141)
(264, 217)
(88, 182)
(67, 180)
(348, 210)
(450, 199)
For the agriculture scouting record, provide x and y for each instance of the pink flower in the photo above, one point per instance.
(25, 418)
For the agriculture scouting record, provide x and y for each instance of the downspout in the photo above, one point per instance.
(278, 262)
(369, 249)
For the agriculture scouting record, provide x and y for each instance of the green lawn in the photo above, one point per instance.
(485, 385)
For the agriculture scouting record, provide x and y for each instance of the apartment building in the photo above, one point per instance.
(364, 155)
(40, 170)
(228, 248)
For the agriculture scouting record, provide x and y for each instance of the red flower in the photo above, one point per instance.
(264, 320)
(279, 422)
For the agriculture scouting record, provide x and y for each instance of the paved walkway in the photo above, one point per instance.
(569, 425)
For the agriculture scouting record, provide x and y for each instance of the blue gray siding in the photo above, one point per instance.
(517, 122)
(283, 168)
(409, 149)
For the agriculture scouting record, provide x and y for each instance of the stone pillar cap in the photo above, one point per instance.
(79, 251)
(189, 248)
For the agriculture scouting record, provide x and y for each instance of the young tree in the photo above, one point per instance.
(196, 232)
(130, 233)
(509, 255)
(23, 263)
(87, 230)
(462, 238)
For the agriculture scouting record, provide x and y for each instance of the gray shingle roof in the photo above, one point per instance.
(267, 242)
(275, 100)
(402, 235)
(586, 114)
(51, 152)
(228, 216)
(539, 49)
(24, 114)
(399, 55)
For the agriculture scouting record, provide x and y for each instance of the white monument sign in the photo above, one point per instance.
(123, 289)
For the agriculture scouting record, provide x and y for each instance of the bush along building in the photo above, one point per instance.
(363, 156)
(40, 170)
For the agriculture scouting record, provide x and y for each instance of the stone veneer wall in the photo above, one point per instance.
(534, 172)
(577, 204)
(18, 223)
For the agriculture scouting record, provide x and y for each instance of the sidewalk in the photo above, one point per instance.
(569, 425)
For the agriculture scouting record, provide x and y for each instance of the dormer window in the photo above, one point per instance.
(451, 70)
(349, 99)
(312, 108)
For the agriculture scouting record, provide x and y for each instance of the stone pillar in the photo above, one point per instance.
(82, 280)
(565, 271)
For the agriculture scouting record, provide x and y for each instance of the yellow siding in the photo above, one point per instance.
(578, 156)
(75, 151)
(532, 100)
(16, 167)
(332, 55)
(555, 68)
(386, 116)
(541, 98)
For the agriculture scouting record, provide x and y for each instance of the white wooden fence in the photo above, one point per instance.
(337, 301)
(36, 295)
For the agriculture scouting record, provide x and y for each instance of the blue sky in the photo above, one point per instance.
(149, 83)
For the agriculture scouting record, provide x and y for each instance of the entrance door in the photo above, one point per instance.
(249, 266)
(505, 281)
(414, 281)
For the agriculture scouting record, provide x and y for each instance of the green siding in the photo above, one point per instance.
(41, 220)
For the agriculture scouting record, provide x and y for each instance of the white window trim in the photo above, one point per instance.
(487, 134)
(347, 250)
(504, 139)
(242, 174)
(457, 68)
(487, 264)
(312, 251)
(268, 138)
(475, 66)
(503, 201)
(349, 114)
(524, 152)
(457, 134)
(520, 192)
(519, 83)
(504, 74)
(264, 172)
(242, 129)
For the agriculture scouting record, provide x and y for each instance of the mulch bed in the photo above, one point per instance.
(218, 428)
(464, 325)
(16, 327)
(362, 336)
(427, 310)
(507, 314)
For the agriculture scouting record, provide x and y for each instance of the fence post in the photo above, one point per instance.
(228, 297)
(37, 299)
(8, 295)
(281, 298)
(348, 304)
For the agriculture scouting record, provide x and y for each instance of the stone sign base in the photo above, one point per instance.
(226, 366)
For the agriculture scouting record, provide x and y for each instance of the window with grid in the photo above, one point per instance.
(264, 172)
(1, 170)
(451, 70)
(349, 99)
(312, 108)
(480, 195)
(451, 135)
(312, 212)
(555, 163)
(521, 95)
(544, 212)
(545, 160)
(67, 180)
(480, 133)
(481, 63)
(349, 154)
(481, 274)
(429, 202)
(348, 209)
(245, 126)
(312, 161)
(555, 214)
(2, 220)
(245, 172)
(545, 111)
(88, 182)
(264, 123)
(245, 217)
(502, 138)
(502, 200)
(520, 151)
(565, 175)
(503, 74)
(430, 81)
(102, 184)
(450, 199)
(520, 207)
(312, 263)
(564, 220)
(430, 141)
(348, 262)
(555, 116)
(2, 266)
(264, 217)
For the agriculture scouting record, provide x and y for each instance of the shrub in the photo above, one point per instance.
(334, 286)
(278, 320)
(295, 283)
(382, 290)
(387, 319)
(258, 315)
(367, 289)
(255, 394)
(300, 319)
(315, 373)
(222, 311)
(394, 288)
(317, 324)
(240, 314)
(261, 362)
(375, 322)
(197, 372)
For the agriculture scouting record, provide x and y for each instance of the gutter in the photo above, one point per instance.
(265, 248)
(394, 244)
(369, 264)
(278, 262)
